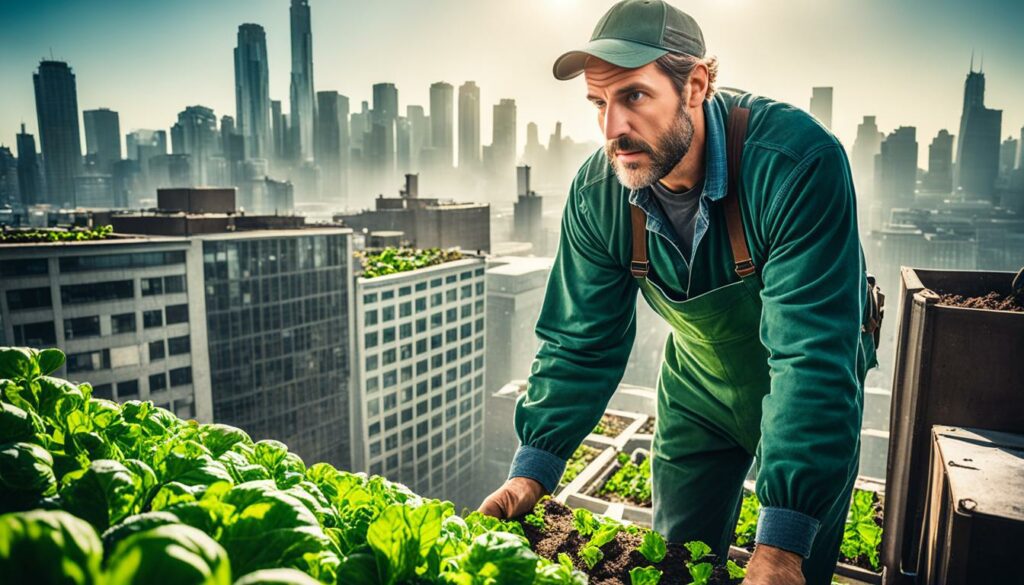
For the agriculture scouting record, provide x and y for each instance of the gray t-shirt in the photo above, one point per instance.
(681, 210)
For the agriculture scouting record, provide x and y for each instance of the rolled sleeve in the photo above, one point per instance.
(539, 465)
(787, 529)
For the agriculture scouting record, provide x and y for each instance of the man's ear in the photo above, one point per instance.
(697, 86)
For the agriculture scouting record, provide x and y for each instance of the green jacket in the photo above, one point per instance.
(798, 204)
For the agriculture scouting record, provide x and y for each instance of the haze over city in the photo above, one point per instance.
(903, 62)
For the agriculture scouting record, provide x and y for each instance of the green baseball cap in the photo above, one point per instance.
(632, 34)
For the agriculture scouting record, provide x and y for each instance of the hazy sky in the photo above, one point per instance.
(901, 60)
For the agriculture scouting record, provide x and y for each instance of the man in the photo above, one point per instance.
(767, 354)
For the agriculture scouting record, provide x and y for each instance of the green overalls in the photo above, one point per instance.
(766, 357)
(713, 378)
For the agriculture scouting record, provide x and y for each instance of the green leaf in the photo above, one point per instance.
(605, 534)
(50, 360)
(17, 424)
(653, 547)
(267, 528)
(584, 522)
(133, 525)
(48, 548)
(220, 438)
(698, 550)
(18, 363)
(401, 537)
(735, 571)
(501, 558)
(701, 573)
(103, 494)
(644, 576)
(172, 554)
(591, 555)
(26, 476)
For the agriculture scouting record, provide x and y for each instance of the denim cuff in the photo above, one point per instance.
(787, 529)
(538, 465)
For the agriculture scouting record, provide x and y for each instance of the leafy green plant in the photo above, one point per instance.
(182, 502)
(536, 518)
(653, 547)
(591, 555)
(735, 571)
(698, 550)
(584, 522)
(31, 236)
(395, 260)
(746, 526)
(578, 461)
(862, 536)
(631, 482)
(644, 576)
(700, 572)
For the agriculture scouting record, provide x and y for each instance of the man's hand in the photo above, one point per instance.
(517, 497)
(774, 566)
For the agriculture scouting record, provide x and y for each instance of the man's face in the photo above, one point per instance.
(646, 125)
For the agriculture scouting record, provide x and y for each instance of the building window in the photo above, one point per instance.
(388, 334)
(404, 291)
(40, 334)
(103, 391)
(128, 390)
(369, 298)
(174, 284)
(29, 298)
(177, 314)
(123, 323)
(154, 318)
(421, 286)
(388, 357)
(178, 345)
(88, 361)
(371, 363)
(152, 286)
(181, 376)
(387, 295)
(405, 331)
(25, 267)
(80, 327)
(421, 325)
(157, 382)
(156, 350)
(73, 294)
(405, 309)
(370, 340)
(387, 314)
(371, 318)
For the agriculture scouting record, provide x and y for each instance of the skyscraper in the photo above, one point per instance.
(252, 90)
(442, 97)
(1007, 157)
(469, 125)
(59, 138)
(332, 145)
(382, 121)
(502, 152)
(977, 152)
(419, 136)
(821, 105)
(9, 190)
(896, 168)
(29, 177)
(865, 147)
(278, 130)
(195, 134)
(144, 144)
(940, 163)
(102, 137)
(527, 212)
(302, 107)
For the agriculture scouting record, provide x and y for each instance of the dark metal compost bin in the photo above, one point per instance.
(954, 366)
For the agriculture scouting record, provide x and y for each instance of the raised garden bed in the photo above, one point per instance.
(612, 425)
(579, 460)
(648, 427)
(558, 533)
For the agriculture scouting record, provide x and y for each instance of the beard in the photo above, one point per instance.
(672, 146)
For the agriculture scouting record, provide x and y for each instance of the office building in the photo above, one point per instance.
(30, 176)
(59, 137)
(821, 105)
(940, 164)
(515, 293)
(469, 125)
(196, 135)
(977, 152)
(302, 106)
(441, 122)
(102, 138)
(527, 213)
(252, 91)
(332, 146)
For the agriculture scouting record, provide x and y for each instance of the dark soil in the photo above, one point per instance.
(620, 555)
(993, 300)
(612, 425)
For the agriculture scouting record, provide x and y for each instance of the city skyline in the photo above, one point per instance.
(342, 60)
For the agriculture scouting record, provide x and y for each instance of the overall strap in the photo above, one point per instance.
(735, 136)
(736, 133)
(639, 265)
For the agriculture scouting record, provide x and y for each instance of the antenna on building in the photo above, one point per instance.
(981, 68)
(972, 60)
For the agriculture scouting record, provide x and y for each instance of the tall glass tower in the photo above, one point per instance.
(302, 106)
(252, 90)
(59, 137)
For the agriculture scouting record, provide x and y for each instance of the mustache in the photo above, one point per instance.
(627, 144)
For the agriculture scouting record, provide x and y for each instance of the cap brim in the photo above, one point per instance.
(625, 54)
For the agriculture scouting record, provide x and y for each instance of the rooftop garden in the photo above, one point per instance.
(394, 260)
(45, 235)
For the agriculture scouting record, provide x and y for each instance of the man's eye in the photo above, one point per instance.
(598, 104)
(635, 96)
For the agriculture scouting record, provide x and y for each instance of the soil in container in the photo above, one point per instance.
(612, 425)
(993, 300)
(579, 460)
(620, 555)
(648, 427)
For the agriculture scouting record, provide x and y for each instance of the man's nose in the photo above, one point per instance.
(616, 122)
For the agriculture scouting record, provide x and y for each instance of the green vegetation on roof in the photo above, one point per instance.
(394, 260)
(34, 236)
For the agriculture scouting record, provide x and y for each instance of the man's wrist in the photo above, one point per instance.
(541, 466)
(787, 529)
